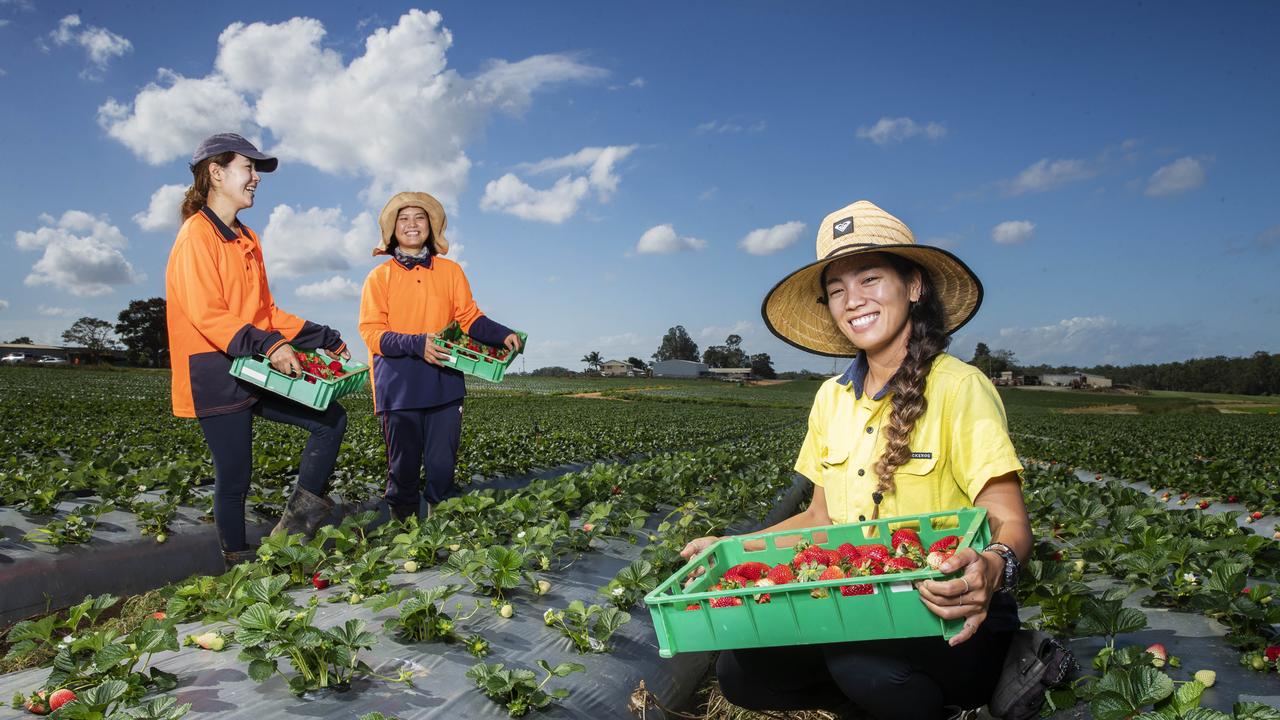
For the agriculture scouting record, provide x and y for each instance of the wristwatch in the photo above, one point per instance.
(1011, 566)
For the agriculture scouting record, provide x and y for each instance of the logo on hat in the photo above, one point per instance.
(841, 228)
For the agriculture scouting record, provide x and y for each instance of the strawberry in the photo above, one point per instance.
(834, 557)
(36, 705)
(723, 602)
(1203, 504)
(60, 697)
(749, 570)
(781, 575)
(1255, 516)
(935, 559)
(1272, 653)
(809, 572)
(905, 535)
(849, 552)
(1159, 655)
(832, 573)
(158, 615)
(319, 582)
(948, 543)
(900, 564)
(879, 553)
(851, 590)
(1205, 677)
(1232, 498)
(335, 367)
(763, 598)
(692, 606)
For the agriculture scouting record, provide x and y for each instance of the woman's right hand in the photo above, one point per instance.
(692, 550)
(284, 361)
(433, 353)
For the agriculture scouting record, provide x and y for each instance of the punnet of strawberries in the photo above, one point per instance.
(314, 366)
(453, 335)
(812, 562)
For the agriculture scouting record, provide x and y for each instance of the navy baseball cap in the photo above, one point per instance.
(224, 142)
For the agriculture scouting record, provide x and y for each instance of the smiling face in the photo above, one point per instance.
(870, 301)
(413, 228)
(234, 183)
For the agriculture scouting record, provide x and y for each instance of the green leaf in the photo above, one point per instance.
(1109, 705)
(1255, 711)
(1203, 713)
(1187, 696)
(164, 681)
(260, 670)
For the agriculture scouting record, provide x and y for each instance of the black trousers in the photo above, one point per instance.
(230, 437)
(422, 438)
(911, 679)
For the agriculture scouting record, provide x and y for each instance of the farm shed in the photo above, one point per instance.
(678, 368)
(731, 373)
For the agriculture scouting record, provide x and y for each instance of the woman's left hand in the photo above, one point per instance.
(512, 342)
(344, 355)
(967, 596)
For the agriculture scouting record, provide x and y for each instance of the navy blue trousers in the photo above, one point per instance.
(910, 679)
(417, 440)
(230, 438)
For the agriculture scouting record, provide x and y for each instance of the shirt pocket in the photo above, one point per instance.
(918, 487)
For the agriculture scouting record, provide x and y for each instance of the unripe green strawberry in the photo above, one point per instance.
(506, 610)
(410, 566)
(543, 587)
(1206, 677)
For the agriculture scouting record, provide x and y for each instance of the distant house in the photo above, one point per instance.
(1076, 380)
(731, 373)
(1097, 381)
(616, 368)
(679, 368)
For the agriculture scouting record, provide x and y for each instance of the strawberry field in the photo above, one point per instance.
(524, 596)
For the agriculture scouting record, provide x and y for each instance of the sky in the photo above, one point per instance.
(611, 170)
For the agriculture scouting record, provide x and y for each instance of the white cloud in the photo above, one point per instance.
(718, 333)
(1047, 174)
(82, 254)
(100, 44)
(718, 127)
(1087, 341)
(637, 82)
(165, 210)
(662, 239)
(891, 130)
(511, 195)
(1177, 177)
(49, 311)
(4, 304)
(1012, 232)
(298, 242)
(335, 288)
(395, 114)
(766, 241)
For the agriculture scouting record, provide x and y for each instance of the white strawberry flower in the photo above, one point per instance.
(520, 535)
(617, 591)
(1190, 577)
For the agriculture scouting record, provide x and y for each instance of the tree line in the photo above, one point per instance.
(140, 329)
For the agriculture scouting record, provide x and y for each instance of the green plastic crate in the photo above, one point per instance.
(473, 363)
(792, 616)
(257, 370)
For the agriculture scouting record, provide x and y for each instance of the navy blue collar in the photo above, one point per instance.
(228, 235)
(856, 373)
(409, 262)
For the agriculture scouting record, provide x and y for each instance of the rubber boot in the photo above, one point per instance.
(237, 557)
(400, 513)
(303, 514)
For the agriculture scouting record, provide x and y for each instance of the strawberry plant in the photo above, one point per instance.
(77, 527)
(631, 584)
(493, 572)
(155, 516)
(422, 617)
(38, 636)
(422, 542)
(588, 628)
(363, 577)
(321, 658)
(517, 689)
(292, 556)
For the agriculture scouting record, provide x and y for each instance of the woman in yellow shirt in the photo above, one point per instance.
(906, 430)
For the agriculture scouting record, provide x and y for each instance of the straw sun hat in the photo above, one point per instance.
(796, 308)
(400, 201)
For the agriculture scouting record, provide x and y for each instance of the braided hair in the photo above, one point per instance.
(928, 338)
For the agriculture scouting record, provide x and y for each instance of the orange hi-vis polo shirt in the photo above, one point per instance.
(399, 306)
(219, 307)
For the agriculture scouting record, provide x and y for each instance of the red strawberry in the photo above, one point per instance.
(732, 578)
(935, 559)
(692, 606)
(37, 706)
(781, 574)
(1255, 516)
(851, 590)
(878, 553)
(722, 602)
(1203, 504)
(832, 573)
(750, 570)
(335, 366)
(60, 697)
(900, 564)
(849, 552)
(763, 598)
(950, 542)
(1272, 653)
(906, 535)
(319, 582)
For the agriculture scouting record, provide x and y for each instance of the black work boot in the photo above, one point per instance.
(237, 557)
(400, 513)
(303, 513)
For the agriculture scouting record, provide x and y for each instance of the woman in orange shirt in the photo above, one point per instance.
(219, 307)
(406, 301)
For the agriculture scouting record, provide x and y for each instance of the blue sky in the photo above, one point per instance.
(612, 170)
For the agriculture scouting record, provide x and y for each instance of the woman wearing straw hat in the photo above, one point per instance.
(406, 301)
(219, 307)
(906, 429)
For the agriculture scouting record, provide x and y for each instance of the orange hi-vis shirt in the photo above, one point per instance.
(219, 307)
(398, 308)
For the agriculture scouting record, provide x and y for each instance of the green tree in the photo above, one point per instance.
(144, 331)
(22, 340)
(92, 334)
(637, 363)
(677, 345)
(729, 355)
(762, 366)
(593, 360)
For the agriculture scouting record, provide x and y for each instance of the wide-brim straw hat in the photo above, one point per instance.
(796, 309)
(400, 201)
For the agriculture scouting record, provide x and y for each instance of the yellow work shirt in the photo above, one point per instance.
(958, 444)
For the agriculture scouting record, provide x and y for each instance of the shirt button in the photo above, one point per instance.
(862, 518)
(861, 472)
(870, 429)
